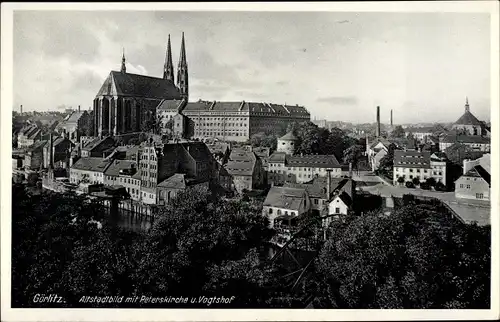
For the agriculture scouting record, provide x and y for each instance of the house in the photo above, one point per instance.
(341, 204)
(75, 125)
(475, 183)
(34, 158)
(28, 136)
(475, 142)
(320, 195)
(245, 169)
(61, 152)
(121, 173)
(165, 112)
(283, 167)
(378, 149)
(284, 205)
(89, 170)
(97, 147)
(220, 151)
(422, 165)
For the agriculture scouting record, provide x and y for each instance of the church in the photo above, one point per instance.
(127, 102)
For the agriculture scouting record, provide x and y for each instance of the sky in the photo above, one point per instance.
(339, 65)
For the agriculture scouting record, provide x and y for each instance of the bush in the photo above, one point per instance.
(431, 181)
(416, 181)
(401, 180)
(425, 186)
(440, 186)
(409, 184)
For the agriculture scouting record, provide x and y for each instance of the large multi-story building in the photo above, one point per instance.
(228, 121)
(127, 102)
(422, 165)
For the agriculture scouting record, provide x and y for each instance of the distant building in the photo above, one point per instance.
(475, 183)
(61, 150)
(421, 165)
(301, 168)
(378, 149)
(33, 159)
(230, 121)
(469, 124)
(286, 143)
(121, 173)
(420, 133)
(28, 136)
(74, 125)
(97, 147)
(475, 142)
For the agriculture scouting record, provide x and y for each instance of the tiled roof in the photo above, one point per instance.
(317, 188)
(176, 181)
(126, 84)
(252, 107)
(197, 150)
(117, 165)
(240, 168)
(94, 143)
(38, 145)
(91, 164)
(312, 161)
(284, 197)
(73, 117)
(277, 157)
(31, 131)
(288, 137)
(385, 143)
(346, 199)
(468, 119)
(411, 159)
(169, 105)
(465, 139)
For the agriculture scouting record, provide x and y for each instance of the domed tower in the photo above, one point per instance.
(286, 143)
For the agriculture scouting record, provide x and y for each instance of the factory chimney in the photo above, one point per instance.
(377, 134)
(328, 183)
(391, 118)
(21, 108)
(78, 108)
(51, 152)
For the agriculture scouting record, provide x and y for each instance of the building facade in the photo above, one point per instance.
(421, 165)
(28, 136)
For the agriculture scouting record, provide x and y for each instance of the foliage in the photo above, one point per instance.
(398, 132)
(312, 139)
(415, 258)
(401, 180)
(263, 140)
(416, 181)
(431, 181)
(353, 155)
(409, 184)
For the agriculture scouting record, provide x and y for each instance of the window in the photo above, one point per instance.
(315, 201)
(468, 186)
(479, 196)
(337, 210)
(270, 210)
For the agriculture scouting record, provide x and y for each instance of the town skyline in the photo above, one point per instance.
(340, 66)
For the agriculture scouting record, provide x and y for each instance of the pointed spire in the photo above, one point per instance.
(467, 104)
(124, 69)
(168, 68)
(182, 72)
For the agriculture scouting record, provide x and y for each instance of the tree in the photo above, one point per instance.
(264, 140)
(401, 180)
(353, 154)
(416, 181)
(431, 181)
(398, 132)
(416, 258)
(409, 184)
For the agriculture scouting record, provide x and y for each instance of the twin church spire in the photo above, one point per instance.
(168, 68)
(182, 68)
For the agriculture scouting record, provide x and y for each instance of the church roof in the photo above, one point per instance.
(468, 119)
(133, 85)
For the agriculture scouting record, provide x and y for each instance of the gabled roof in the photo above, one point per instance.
(474, 139)
(38, 145)
(346, 199)
(277, 157)
(412, 159)
(468, 119)
(133, 85)
(91, 164)
(285, 198)
(479, 172)
(240, 168)
(312, 161)
(170, 105)
(89, 146)
(317, 187)
(176, 181)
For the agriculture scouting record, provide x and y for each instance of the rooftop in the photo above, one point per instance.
(412, 159)
(91, 164)
(286, 198)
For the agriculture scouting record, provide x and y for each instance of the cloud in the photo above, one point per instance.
(339, 100)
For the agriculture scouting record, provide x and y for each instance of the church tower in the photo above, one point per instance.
(124, 69)
(467, 108)
(182, 72)
(168, 68)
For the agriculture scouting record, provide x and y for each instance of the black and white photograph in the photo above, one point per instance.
(184, 158)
